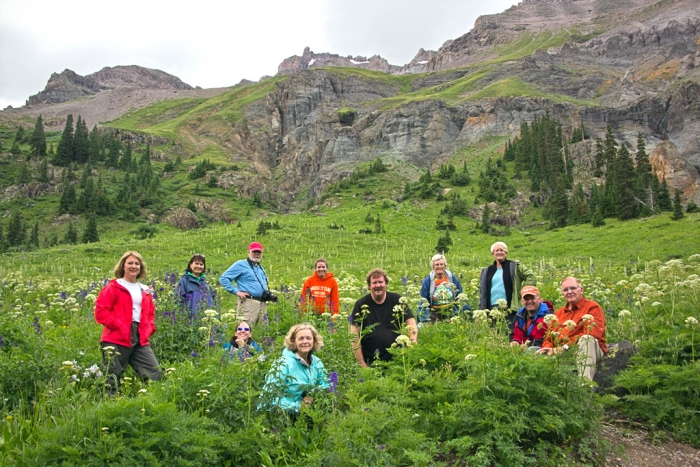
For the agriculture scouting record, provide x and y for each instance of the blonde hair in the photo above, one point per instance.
(501, 244)
(437, 257)
(119, 267)
(290, 338)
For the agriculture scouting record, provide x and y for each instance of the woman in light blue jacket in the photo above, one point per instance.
(294, 377)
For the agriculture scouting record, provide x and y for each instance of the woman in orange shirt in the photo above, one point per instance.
(320, 291)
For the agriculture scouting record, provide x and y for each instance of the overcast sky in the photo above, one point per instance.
(214, 43)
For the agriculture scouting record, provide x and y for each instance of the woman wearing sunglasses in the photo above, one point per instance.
(242, 344)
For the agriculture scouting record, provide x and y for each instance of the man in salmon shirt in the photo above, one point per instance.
(581, 324)
(321, 290)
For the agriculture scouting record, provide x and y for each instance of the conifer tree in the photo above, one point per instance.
(43, 176)
(597, 219)
(599, 158)
(34, 237)
(94, 146)
(624, 184)
(65, 151)
(113, 153)
(125, 161)
(15, 148)
(67, 200)
(664, 197)
(486, 219)
(558, 205)
(24, 174)
(677, 207)
(21, 135)
(71, 236)
(579, 211)
(90, 234)
(81, 145)
(38, 139)
(16, 230)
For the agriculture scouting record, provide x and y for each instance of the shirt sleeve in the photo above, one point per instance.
(231, 274)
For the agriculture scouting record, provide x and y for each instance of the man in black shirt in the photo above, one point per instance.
(387, 313)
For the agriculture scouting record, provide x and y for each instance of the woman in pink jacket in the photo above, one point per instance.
(125, 308)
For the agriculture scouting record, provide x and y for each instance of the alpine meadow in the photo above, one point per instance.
(566, 129)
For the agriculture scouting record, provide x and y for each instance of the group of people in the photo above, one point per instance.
(125, 308)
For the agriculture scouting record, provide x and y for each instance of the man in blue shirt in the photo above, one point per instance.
(250, 285)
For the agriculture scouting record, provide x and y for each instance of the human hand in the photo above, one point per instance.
(240, 342)
(514, 343)
(544, 351)
(242, 295)
(307, 401)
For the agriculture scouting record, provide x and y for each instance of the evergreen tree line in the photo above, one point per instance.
(430, 186)
(16, 237)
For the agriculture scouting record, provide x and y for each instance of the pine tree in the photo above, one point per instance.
(67, 198)
(486, 219)
(71, 236)
(125, 161)
(90, 234)
(81, 145)
(579, 210)
(21, 135)
(677, 207)
(16, 230)
(94, 146)
(625, 203)
(558, 205)
(43, 176)
(38, 139)
(34, 237)
(15, 150)
(664, 197)
(113, 153)
(599, 158)
(24, 174)
(64, 152)
(597, 219)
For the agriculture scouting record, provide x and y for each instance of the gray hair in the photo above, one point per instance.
(437, 257)
(501, 244)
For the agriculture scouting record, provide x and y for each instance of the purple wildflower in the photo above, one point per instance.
(334, 382)
(0, 341)
(277, 318)
(37, 325)
(381, 447)
(265, 320)
(195, 353)
(360, 380)
(404, 280)
(211, 342)
(63, 295)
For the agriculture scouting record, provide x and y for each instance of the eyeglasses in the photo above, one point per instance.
(244, 329)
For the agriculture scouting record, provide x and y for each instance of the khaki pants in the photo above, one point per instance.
(589, 354)
(250, 310)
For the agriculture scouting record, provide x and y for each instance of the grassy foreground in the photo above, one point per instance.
(461, 397)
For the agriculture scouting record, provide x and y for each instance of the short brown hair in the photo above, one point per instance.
(321, 260)
(119, 267)
(376, 272)
(290, 338)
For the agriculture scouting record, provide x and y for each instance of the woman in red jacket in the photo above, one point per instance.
(126, 310)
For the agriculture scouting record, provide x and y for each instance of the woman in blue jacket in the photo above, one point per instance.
(294, 377)
(440, 288)
(193, 291)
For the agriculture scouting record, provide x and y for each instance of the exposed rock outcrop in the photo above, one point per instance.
(309, 59)
(69, 85)
(182, 218)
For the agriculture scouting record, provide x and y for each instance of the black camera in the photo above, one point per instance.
(268, 296)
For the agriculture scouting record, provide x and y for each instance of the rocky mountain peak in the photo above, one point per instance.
(309, 59)
(69, 85)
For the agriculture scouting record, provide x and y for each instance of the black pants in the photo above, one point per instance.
(141, 359)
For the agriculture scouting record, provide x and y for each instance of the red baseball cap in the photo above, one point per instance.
(529, 290)
(255, 246)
